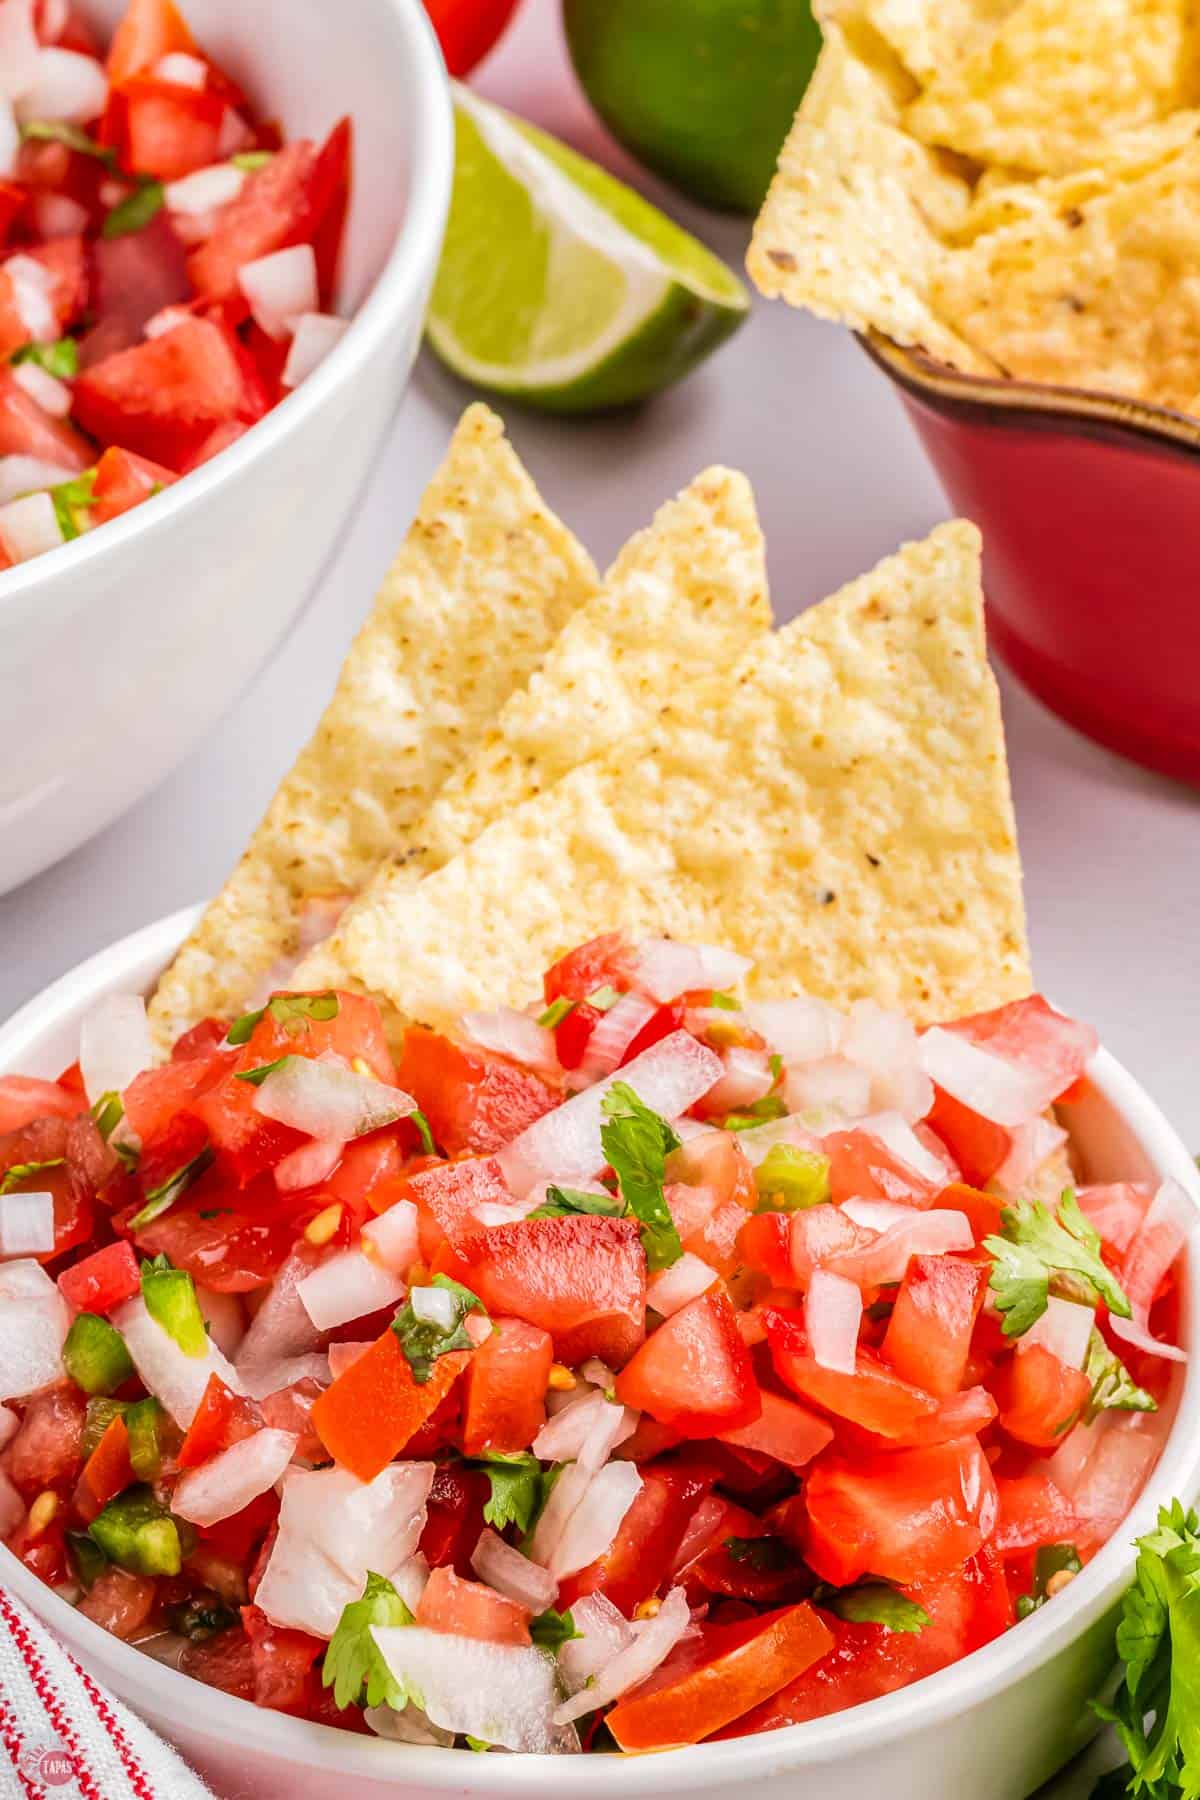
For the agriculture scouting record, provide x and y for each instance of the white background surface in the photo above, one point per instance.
(1112, 855)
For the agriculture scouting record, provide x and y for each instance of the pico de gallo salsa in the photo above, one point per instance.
(646, 1367)
(167, 264)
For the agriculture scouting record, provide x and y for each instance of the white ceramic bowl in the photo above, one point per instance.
(994, 1726)
(118, 651)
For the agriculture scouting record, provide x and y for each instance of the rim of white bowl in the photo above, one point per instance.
(409, 266)
(134, 960)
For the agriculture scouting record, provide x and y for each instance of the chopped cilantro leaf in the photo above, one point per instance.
(60, 359)
(135, 212)
(771, 1106)
(241, 1031)
(1038, 1245)
(354, 1666)
(556, 1012)
(417, 1118)
(766, 1554)
(479, 1745)
(604, 998)
(20, 1172)
(70, 497)
(108, 1112)
(636, 1142)
(289, 1010)
(164, 1196)
(57, 131)
(424, 1340)
(550, 1630)
(775, 1064)
(560, 1202)
(725, 1002)
(256, 1077)
(1113, 1387)
(516, 1489)
(1051, 1560)
(873, 1603)
(250, 160)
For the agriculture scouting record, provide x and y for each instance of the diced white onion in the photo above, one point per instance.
(587, 1431)
(19, 48)
(234, 134)
(594, 1523)
(169, 1373)
(52, 395)
(325, 1100)
(598, 1373)
(833, 1087)
(434, 1306)
(746, 1079)
(66, 85)
(158, 326)
(348, 1286)
(877, 1215)
(665, 969)
(12, 1507)
(833, 1313)
(344, 1356)
(653, 1640)
(668, 1290)
(309, 1165)
(565, 1145)
(54, 215)
(802, 1030)
(393, 1237)
(10, 131)
(1005, 1092)
(182, 70)
(513, 1034)
(411, 1579)
(891, 1131)
(1064, 1329)
(603, 1631)
(885, 1045)
(1116, 1209)
(1171, 1219)
(34, 1321)
(114, 1044)
(315, 335)
(204, 189)
(613, 1033)
(501, 1693)
(222, 1313)
(504, 1568)
(1031, 1146)
(235, 1477)
(1138, 1334)
(756, 1143)
(281, 1327)
(931, 1233)
(26, 1224)
(28, 527)
(281, 287)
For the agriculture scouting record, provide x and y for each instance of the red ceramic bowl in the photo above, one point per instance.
(1090, 512)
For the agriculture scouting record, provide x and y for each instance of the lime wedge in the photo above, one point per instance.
(558, 283)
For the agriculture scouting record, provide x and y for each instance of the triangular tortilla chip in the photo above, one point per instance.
(836, 808)
(485, 581)
(683, 600)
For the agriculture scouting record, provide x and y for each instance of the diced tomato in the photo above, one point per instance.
(976, 1144)
(123, 481)
(222, 1419)
(24, 1099)
(225, 1661)
(874, 1397)
(119, 1602)
(603, 962)
(12, 204)
(202, 1039)
(169, 130)
(330, 202)
(107, 1472)
(694, 1373)
(1033, 1511)
(161, 398)
(474, 1100)
(169, 1151)
(238, 1536)
(1040, 1397)
(154, 1098)
(469, 1609)
(149, 30)
(26, 430)
(47, 1449)
(863, 1168)
(716, 1677)
(982, 1210)
(134, 277)
(355, 1033)
(232, 1250)
(582, 1279)
(218, 439)
(928, 1338)
(660, 1025)
(765, 1242)
(64, 261)
(375, 1406)
(642, 1555)
(282, 1662)
(284, 203)
(1030, 1031)
(904, 1515)
(1116, 1209)
(454, 1517)
(789, 1433)
(102, 1280)
(505, 1388)
(369, 1179)
(446, 1197)
(966, 1610)
(717, 1162)
(245, 1141)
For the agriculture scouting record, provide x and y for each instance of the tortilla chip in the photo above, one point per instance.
(1099, 294)
(837, 808)
(684, 599)
(1057, 82)
(854, 224)
(485, 581)
(930, 39)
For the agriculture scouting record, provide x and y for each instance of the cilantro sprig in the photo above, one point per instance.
(1038, 1245)
(1156, 1709)
(424, 1340)
(636, 1144)
(517, 1488)
(1113, 1387)
(354, 1666)
(551, 1630)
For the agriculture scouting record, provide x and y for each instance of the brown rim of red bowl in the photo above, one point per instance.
(923, 376)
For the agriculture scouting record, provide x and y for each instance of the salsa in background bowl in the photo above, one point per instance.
(124, 645)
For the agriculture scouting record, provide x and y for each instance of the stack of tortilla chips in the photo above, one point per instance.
(1011, 185)
(518, 757)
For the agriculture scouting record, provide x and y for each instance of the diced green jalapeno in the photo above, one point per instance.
(95, 1356)
(170, 1297)
(100, 1415)
(142, 1423)
(87, 1557)
(138, 1534)
(790, 1180)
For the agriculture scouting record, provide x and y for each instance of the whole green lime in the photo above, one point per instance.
(701, 91)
